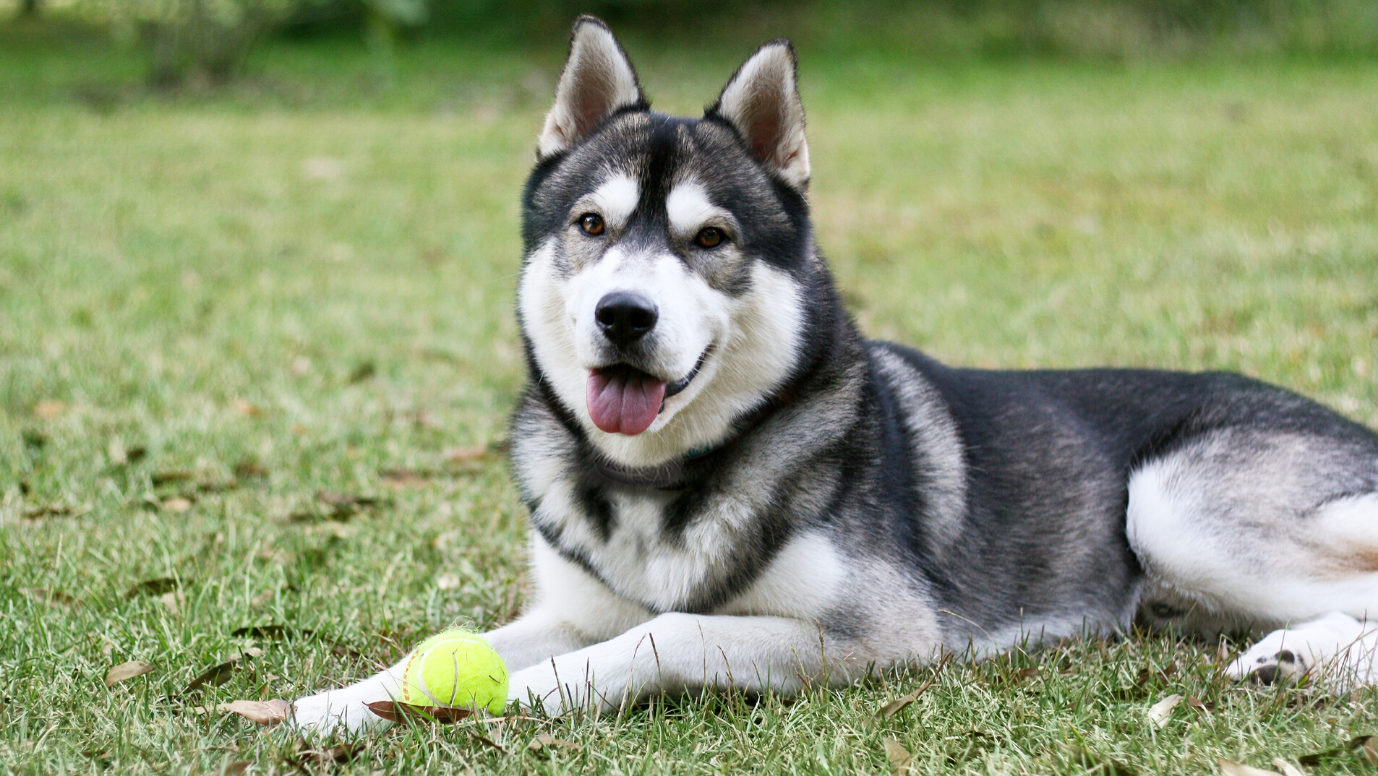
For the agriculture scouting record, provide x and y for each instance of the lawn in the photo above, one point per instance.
(257, 352)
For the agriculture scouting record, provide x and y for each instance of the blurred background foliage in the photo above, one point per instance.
(210, 39)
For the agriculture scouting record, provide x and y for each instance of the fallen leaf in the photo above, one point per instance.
(1160, 712)
(897, 755)
(334, 755)
(159, 479)
(263, 712)
(400, 477)
(404, 712)
(345, 505)
(896, 706)
(219, 674)
(177, 505)
(1366, 743)
(55, 597)
(466, 454)
(362, 372)
(214, 676)
(447, 581)
(237, 768)
(1286, 768)
(338, 530)
(114, 450)
(49, 409)
(246, 408)
(1199, 705)
(55, 510)
(546, 740)
(170, 601)
(157, 586)
(248, 468)
(1229, 768)
(125, 671)
(270, 632)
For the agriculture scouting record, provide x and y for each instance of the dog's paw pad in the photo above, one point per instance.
(1268, 665)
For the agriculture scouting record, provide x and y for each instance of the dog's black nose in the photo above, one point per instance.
(625, 317)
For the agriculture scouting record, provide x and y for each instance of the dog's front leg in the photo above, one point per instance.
(531, 638)
(678, 652)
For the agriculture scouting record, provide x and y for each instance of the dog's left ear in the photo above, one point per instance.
(598, 79)
(762, 102)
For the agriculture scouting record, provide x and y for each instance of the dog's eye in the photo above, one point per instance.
(709, 237)
(592, 224)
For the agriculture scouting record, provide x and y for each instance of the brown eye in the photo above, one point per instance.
(592, 224)
(709, 237)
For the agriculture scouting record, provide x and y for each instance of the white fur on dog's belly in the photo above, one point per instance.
(801, 581)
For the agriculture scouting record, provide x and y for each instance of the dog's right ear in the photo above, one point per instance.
(597, 80)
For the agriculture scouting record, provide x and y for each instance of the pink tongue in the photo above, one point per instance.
(623, 401)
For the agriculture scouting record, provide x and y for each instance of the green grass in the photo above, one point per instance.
(293, 287)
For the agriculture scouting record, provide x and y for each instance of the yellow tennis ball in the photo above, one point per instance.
(455, 669)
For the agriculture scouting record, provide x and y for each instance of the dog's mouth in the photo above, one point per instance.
(625, 400)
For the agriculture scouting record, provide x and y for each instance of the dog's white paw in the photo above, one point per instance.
(1337, 649)
(337, 712)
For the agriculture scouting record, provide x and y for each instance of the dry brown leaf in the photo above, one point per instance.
(263, 712)
(48, 596)
(237, 768)
(219, 674)
(896, 706)
(159, 479)
(246, 408)
(125, 671)
(546, 740)
(1199, 705)
(56, 510)
(466, 454)
(404, 712)
(170, 601)
(401, 477)
(1160, 712)
(1286, 768)
(1230, 768)
(334, 755)
(1367, 744)
(897, 755)
(157, 586)
(214, 676)
(49, 409)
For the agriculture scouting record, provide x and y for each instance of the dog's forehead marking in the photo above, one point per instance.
(688, 206)
(616, 197)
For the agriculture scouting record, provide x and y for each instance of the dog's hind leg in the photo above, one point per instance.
(1247, 529)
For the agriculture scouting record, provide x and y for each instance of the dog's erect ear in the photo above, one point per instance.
(762, 102)
(597, 80)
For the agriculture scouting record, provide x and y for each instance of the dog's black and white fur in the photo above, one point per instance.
(767, 499)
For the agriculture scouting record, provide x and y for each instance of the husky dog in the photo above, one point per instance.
(730, 487)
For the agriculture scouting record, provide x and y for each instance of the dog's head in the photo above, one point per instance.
(662, 293)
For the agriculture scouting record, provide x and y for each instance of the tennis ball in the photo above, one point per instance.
(455, 669)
